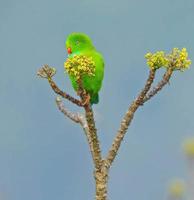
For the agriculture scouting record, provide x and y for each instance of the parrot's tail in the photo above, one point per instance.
(94, 98)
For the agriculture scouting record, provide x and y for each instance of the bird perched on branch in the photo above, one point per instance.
(80, 46)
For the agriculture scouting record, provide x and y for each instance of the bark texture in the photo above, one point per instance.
(101, 180)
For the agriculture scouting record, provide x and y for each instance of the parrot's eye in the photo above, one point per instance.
(77, 42)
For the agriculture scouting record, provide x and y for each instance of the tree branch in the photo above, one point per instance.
(86, 122)
(47, 72)
(94, 138)
(128, 118)
(160, 85)
(74, 117)
(78, 118)
(91, 126)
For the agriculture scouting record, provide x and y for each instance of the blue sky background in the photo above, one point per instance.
(43, 155)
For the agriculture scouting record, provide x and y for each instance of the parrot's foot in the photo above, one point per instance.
(87, 100)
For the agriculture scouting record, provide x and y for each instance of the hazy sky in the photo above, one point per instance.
(44, 156)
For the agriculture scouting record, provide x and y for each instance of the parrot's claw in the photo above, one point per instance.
(86, 101)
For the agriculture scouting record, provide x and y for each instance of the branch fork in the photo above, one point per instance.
(87, 122)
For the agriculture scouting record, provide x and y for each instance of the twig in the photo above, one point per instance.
(74, 117)
(47, 72)
(63, 94)
(87, 123)
(128, 118)
(160, 85)
(78, 118)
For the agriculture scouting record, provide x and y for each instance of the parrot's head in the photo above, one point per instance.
(77, 42)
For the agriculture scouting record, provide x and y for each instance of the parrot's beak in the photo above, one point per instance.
(69, 50)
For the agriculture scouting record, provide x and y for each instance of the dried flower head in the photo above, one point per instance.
(80, 65)
(46, 72)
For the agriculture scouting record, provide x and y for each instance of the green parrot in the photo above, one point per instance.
(81, 44)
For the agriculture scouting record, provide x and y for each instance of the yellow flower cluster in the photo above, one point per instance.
(156, 60)
(177, 59)
(80, 65)
(189, 147)
(176, 188)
